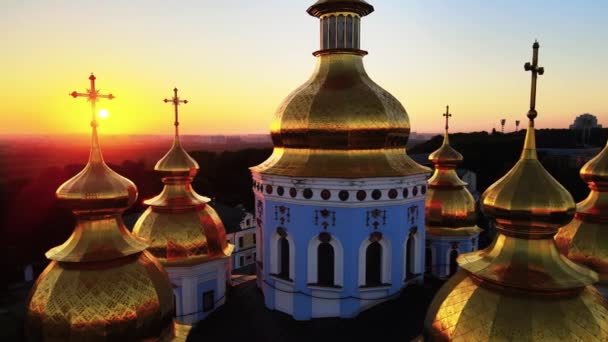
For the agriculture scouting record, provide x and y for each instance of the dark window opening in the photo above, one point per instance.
(410, 255)
(325, 264)
(283, 258)
(428, 259)
(208, 301)
(453, 263)
(373, 264)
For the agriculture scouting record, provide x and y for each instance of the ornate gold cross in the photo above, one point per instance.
(176, 102)
(92, 96)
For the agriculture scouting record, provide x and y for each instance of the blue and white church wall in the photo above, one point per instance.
(441, 253)
(335, 247)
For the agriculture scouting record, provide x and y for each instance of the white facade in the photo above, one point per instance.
(244, 252)
(198, 289)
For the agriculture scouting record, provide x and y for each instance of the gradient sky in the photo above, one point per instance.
(235, 60)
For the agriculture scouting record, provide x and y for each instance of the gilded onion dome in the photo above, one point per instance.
(520, 288)
(183, 229)
(340, 123)
(101, 284)
(585, 239)
(449, 206)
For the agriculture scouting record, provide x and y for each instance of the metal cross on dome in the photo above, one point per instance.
(447, 116)
(176, 102)
(536, 70)
(92, 96)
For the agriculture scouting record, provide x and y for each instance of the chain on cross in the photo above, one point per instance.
(447, 116)
(176, 102)
(93, 95)
(536, 70)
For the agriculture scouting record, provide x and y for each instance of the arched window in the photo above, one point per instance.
(283, 248)
(428, 259)
(453, 263)
(325, 264)
(410, 258)
(373, 264)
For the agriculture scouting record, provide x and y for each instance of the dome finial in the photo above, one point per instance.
(177, 160)
(175, 101)
(447, 116)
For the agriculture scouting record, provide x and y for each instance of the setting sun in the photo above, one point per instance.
(103, 113)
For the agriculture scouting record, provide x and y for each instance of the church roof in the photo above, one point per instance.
(183, 229)
(520, 288)
(584, 239)
(340, 123)
(101, 284)
(449, 206)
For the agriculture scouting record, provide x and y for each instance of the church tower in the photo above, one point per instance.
(101, 284)
(585, 239)
(339, 204)
(450, 216)
(186, 234)
(520, 288)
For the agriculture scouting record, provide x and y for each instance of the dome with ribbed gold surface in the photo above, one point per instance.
(101, 284)
(450, 218)
(520, 288)
(340, 123)
(183, 229)
(449, 207)
(584, 240)
(185, 233)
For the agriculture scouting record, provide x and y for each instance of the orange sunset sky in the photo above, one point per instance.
(235, 60)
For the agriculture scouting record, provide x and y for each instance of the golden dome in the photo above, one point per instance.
(528, 200)
(128, 299)
(177, 160)
(464, 310)
(445, 155)
(340, 124)
(183, 237)
(520, 288)
(584, 239)
(97, 191)
(322, 7)
(97, 187)
(449, 206)
(101, 285)
(183, 229)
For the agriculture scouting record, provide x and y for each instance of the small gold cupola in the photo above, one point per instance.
(449, 206)
(340, 123)
(183, 229)
(101, 284)
(520, 288)
(585, 239)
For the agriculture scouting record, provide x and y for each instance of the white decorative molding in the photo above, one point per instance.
(334, 186)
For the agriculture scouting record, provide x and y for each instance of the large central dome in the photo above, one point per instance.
(340, 123)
